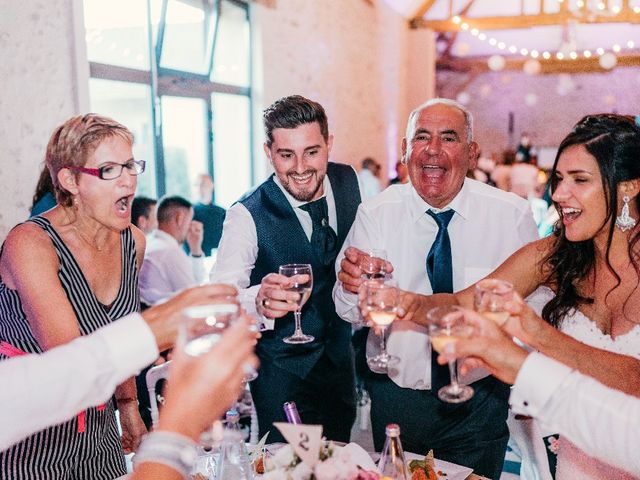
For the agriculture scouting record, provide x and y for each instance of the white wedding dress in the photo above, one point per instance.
(573, 463)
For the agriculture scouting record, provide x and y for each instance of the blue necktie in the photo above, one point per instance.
(323, 239)
(440, 272)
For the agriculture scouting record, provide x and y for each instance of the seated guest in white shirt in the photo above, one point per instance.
(143, 214)
(601, 421)
(486, 226)
(167, 269)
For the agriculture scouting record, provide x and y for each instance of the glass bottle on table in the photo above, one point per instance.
(301, 283)
(392, 463)
(234, 463)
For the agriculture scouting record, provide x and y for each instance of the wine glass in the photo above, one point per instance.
(380, 307)
(372, 263)
(446, 325)
(491, 296)
(203, 325)
(301, 277)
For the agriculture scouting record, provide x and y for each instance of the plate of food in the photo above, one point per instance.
(429, 468)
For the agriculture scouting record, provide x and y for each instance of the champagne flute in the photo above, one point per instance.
(372, 264)
(491, 297)
(380, 307)
(446, 325)
(302, 283)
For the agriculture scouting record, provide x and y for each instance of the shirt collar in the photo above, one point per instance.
(326, 187)
(459, 204)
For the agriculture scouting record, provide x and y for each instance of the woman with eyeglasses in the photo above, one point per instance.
(67, 273)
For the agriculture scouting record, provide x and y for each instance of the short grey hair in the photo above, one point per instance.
(468, 117)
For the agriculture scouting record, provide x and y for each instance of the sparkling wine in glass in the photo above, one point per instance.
(301, 282)
(446, 325)
(372, 263)
(491, 297)
(380, 307)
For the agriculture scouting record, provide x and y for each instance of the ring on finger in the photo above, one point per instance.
(265, 302)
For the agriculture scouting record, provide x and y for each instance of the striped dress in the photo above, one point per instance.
(65, 451)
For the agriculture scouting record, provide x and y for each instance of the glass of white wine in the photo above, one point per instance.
(446, 325)
(301, 278)
(491, 297)
(380, 307)
(372, 263)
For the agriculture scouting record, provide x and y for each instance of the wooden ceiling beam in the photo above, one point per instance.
(424, 8)
(524, 21)
(551, 66)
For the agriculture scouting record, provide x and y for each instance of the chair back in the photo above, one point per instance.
(154, 375)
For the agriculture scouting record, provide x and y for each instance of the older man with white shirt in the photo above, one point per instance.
(442, 232)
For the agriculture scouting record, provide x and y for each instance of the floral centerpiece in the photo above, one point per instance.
(334, 463)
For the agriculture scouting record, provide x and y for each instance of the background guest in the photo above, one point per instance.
(167, 269)
(402, 174)
(43, 198)
(211, 216)
(368, 178)
(143, 214)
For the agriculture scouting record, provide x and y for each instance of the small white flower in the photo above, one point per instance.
(328, 470)
(301, 472)
(283, 457)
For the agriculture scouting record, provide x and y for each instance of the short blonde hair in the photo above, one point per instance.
(72, 143)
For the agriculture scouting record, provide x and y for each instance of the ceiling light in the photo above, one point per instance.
(600, 51)
(616, 48)
(546, 55)
(482, 37)
(560, 56)
(534, 54)
(587, 54)
(630, 44)
(456, 19)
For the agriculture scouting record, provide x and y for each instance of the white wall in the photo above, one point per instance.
(39, 90)
(351, 56)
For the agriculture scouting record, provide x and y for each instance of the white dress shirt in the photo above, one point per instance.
(238, 247)
(487, 227)
(50, 388)
(167, 268)
(601, 421)
(369, 183)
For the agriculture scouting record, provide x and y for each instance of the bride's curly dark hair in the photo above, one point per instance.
(614, 141)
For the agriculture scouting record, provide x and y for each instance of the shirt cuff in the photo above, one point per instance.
(538, 379)
(130, 344)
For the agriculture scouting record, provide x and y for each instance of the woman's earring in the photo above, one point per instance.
(624, 221)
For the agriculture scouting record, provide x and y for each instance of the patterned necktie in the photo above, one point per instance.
(323, 239)
(440, 272)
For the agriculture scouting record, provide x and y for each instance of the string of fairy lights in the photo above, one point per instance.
(466, 25)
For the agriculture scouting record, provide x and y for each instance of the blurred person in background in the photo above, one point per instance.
(143, 214)
(211, 216)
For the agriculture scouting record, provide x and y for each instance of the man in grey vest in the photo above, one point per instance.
(301, 214)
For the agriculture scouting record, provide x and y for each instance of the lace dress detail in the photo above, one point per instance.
(573, 463)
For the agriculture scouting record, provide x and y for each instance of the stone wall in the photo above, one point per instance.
(39, 91)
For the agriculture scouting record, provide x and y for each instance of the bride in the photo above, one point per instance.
(588, 271)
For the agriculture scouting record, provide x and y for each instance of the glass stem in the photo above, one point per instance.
(453, 371)
(296, 315)
(383, 340)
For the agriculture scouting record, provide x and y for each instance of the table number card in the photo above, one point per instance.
(304, 439)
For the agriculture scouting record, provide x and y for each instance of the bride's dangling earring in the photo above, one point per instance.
(624, 221)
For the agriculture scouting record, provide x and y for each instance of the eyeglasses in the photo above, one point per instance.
(111, 171)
